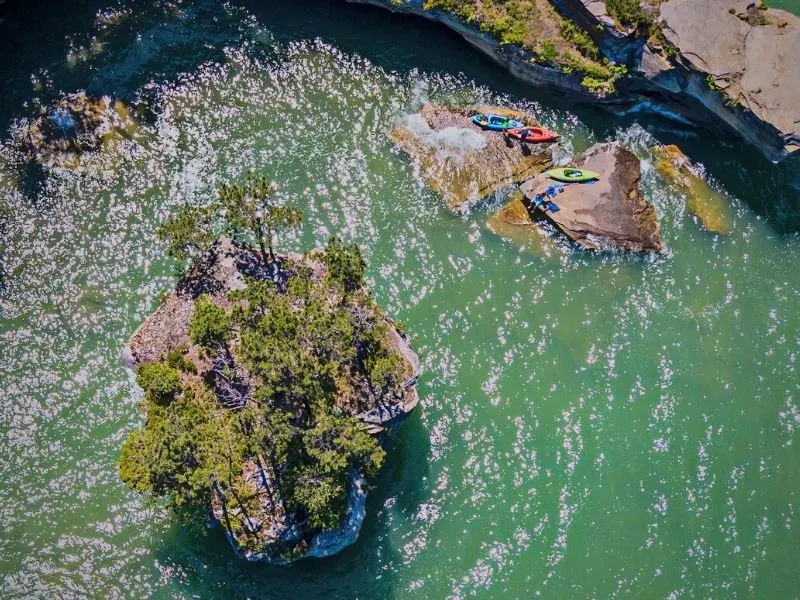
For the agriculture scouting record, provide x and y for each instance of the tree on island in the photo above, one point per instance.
(303, 357)
(243, 211)
(249, 209)
(188, 233)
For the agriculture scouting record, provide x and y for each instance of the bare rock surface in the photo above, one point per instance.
(607, 214)
(460, 161)
(749, 53)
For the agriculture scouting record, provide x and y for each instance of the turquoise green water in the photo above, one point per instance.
(790, 5)
(590, 426)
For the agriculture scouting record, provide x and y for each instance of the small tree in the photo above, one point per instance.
(159, 381)
(345, 264)
(386, 371)
(250, 209)
(189, 232)
(210, 325)
(181, 452)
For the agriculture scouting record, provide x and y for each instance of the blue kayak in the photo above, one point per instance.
(495, 122)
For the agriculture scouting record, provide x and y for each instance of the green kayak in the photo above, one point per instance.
(571, 174)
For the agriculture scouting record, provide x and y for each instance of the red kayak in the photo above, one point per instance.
(532, 135)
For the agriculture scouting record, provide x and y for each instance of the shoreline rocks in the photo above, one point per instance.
(756, 103)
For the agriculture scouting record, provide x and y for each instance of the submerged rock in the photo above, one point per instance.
(711, 209)
(609, 213)
(71, 127)
(513, 222)
(460, 161)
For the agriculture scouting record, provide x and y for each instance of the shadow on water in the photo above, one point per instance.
(364, 570)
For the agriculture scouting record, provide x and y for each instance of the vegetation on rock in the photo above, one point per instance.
(631, 14)
(256, 416)
(244, 211)
(536, 26)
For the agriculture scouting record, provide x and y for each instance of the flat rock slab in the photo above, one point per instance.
(711, 210)
(750, 53)
(609, 213)
(460, 161)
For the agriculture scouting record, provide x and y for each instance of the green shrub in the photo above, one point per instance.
(463, 8)
(176, 358)
(547, 52)
(346, 266)
(579, 38)
(210, 324)
(630, 14)
(574, 63)
(159, 381)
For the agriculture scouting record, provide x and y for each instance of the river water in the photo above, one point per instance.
(591, 425)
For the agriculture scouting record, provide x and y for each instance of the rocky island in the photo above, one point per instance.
(610, 212)
(71, 127)
(461, 162)
(269, 383)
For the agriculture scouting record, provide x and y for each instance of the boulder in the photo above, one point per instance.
(712, 211)
(460, 161)
(609, 213)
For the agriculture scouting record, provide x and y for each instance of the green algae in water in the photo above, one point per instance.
(600, 425)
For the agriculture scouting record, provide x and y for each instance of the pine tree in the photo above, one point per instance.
(250, 209)
(189, 232)
(210, 325)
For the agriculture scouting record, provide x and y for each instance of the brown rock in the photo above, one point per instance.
(609, 213)
(750, 54)
(460, 161)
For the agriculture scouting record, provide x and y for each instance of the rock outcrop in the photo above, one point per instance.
(712, 211)
(282, 537)
(745, 59)
(607, 214)
(726, 65)
(72, 126)
(462, 162)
